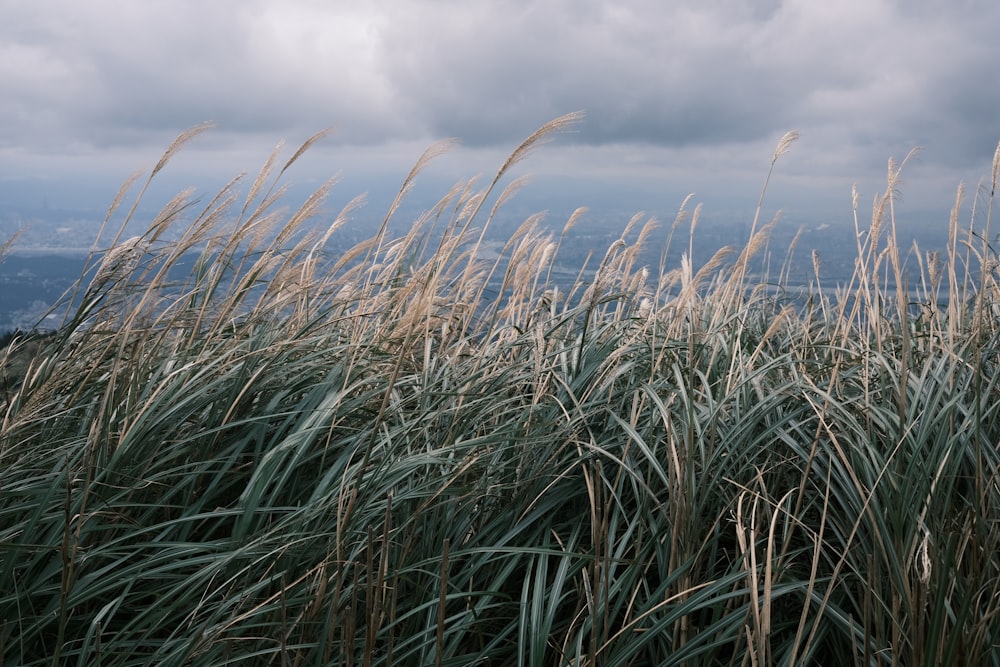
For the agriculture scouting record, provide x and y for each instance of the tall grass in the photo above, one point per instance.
(291, 457)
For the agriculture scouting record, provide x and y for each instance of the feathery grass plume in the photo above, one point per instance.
(784, 144)
(120, 260)
(262, 175)
(954, 291)
(183, 138)
(574, 218)
(995, 174)
(679, 218)
(435, 150)
(987, 258)
(92, 256)
(538, 137)
(306, 145)
(535, 139)
(784, 276)
(6, 246)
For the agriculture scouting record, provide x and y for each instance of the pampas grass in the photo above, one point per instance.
(291, 457)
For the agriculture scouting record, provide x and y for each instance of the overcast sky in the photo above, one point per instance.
(680, 95)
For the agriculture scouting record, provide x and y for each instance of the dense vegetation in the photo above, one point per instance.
(295, 459)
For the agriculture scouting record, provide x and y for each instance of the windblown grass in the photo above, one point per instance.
(293, 458)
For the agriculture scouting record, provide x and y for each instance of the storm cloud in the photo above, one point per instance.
(668, 83)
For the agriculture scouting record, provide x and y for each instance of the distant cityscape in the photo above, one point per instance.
(50, 248)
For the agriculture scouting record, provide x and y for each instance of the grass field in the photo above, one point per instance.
(291, 458)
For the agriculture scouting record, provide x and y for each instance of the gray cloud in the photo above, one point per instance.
(866, 78)
(862, 79)
(641, 73)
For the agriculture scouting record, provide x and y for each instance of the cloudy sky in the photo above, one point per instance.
(680, 95)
